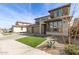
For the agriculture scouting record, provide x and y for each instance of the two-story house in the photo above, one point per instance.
(20, 26)
(54, 24)
(59, 21)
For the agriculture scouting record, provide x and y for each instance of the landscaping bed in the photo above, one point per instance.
(31, 40)
(72, 49)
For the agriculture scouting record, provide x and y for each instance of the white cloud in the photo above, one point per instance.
(8, 16)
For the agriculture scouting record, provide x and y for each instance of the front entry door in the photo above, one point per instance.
(44, 28)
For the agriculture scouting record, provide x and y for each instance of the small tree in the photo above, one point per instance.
(69, 27)
(76, 31)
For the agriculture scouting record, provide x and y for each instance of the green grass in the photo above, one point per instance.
(31, 40)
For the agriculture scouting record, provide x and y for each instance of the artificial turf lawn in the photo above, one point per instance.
(31, 40)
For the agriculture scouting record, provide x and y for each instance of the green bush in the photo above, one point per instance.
(72, 49)
(66, 41)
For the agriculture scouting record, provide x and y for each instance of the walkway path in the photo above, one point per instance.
(9, 46)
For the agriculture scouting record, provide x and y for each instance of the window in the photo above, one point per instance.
(60, 12)
(55, 26)
(59, 24)
(37, 23)
(51, 25)
(55, 13)
(21, 28)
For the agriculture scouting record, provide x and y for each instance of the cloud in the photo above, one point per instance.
(9, 16)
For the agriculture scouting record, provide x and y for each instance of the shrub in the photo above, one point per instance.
(72, 49)
(67, 41)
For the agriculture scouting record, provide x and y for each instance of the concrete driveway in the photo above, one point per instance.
(9, 46)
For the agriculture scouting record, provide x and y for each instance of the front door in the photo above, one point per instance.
(44, 28)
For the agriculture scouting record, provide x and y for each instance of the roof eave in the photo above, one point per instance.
(60, 7)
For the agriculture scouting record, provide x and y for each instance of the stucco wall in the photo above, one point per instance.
(33, 30)
(36, 30)
(65, 27)
(29, 30)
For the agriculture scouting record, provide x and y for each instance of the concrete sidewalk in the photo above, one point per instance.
(12, 47)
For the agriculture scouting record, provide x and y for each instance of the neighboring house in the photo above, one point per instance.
(7, 30)
(56, 23)
(1, 30)
(20, 26)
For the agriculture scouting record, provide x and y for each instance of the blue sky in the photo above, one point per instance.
(12, 12)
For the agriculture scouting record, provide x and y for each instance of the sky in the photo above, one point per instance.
(26, 12)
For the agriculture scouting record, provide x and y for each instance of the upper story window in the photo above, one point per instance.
(55, 13)
(60, 11)
(37, 21)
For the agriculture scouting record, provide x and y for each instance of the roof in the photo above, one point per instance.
(23, 22)
(42, 17)
(58, 18)
(19, 26)
(33, 25)
(53, 10)
(59, 7)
